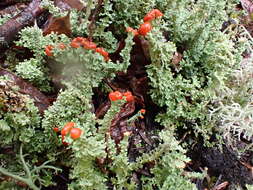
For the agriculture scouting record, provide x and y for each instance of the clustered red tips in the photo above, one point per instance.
(146, 26)
(75, 133)
(143, 111)
(88, 44)
(116, 95)
(77, 43)
(67, 128)
(153, 14)
(82, 42)
(113, 96)
(129, 96)
(102, 52)
(56, 129)
(48, 50)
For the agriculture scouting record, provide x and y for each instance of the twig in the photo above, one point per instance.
(10, 29)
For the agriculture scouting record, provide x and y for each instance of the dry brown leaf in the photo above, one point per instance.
(13, 9)
(8, 2)
(59, 25)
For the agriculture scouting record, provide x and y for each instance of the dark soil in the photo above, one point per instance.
(223, 164)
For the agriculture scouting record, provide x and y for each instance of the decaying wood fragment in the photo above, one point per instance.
(8, 2)
(10, 29)
(13, 9)
(247, 5)
(40, 100)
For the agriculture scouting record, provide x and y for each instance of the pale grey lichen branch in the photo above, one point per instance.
(31, 175)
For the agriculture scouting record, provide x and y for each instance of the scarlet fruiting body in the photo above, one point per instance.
(67, 128)
(155, 13)
(79, 39)
(149, 16)
(56, 129)
(88, 44)
(104, 53)
(143, 111)
(113, 96)
(118, 95)
(145, 28)
(75, 44)
(48, 50)
(75, 133)
(158, 13)
(129, 96)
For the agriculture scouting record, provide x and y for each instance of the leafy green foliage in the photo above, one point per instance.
(184, 91)
(208, 57)
(74, 104)
(33, 39)
(83, 70)
(20, 123)
(168, 160)
(34, 71)
(49, 5)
